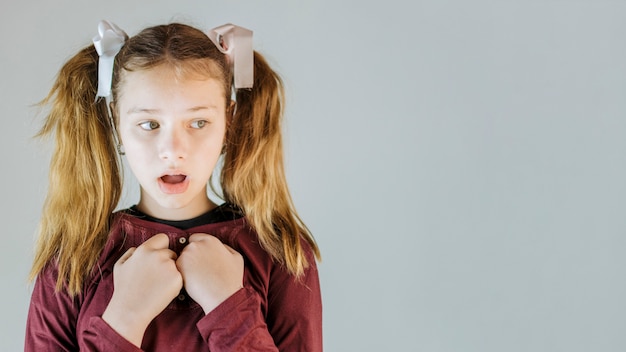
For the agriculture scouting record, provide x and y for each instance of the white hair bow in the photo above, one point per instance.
(236, 43)
(108, 42)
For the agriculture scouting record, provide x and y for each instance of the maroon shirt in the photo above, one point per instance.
(273, 312)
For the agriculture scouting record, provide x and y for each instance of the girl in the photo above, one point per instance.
(175, 272)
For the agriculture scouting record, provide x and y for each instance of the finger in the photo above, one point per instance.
(172, 254)
(197, 237)
(230, 249)
(126, 255)
(158, 241)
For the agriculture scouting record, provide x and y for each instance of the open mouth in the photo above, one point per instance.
(173, 179)
(173, 184)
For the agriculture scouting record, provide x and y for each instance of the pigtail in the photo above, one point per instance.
(84, 179)
(253, 175)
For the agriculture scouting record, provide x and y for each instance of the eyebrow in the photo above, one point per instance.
(139, 110)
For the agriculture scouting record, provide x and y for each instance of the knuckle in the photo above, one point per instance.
(212, 240)
(141, 250)
(164, 255)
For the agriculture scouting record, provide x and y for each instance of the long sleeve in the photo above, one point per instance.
(101, 337)
(292, 319)
(52, 323)
(237, 325)
(294, 312)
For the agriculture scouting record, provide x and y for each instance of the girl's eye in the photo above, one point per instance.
(198, 124)
(149, 125)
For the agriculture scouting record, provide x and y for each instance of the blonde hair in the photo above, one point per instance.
(85, 181)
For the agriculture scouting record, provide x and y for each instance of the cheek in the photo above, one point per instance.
(209, 153)
(137, 161)
(138, 154)
(134, 147)
(212, 149)
(134, 153)
(214, 139)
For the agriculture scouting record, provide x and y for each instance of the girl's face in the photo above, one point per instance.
(172, 128)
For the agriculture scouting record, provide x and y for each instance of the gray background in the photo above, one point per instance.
(462, 164)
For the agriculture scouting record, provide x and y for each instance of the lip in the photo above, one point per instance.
(173, 172)
(173, 188)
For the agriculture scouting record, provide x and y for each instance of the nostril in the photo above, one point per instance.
(173, 146)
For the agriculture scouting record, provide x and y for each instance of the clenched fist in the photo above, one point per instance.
(211, 270)
(145, 281)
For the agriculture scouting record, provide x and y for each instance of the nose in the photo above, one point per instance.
(172, 144)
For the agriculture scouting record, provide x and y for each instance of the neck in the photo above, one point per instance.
(174, 211)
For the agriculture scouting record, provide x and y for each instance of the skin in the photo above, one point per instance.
(171, 127)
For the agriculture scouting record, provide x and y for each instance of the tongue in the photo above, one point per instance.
(173, 178)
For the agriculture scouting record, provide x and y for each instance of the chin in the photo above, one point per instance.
(174, 205)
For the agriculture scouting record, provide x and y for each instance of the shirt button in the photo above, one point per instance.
(181, 297)
(182, 240)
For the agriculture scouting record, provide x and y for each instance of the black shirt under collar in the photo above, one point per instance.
(224, 212)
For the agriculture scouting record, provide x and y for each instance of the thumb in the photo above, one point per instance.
(158, 241)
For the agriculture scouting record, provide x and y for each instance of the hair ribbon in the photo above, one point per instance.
(108, 42)
(236, 43)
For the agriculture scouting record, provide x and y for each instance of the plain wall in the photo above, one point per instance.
(462, 164)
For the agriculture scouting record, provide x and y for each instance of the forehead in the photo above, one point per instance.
(166, 88)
